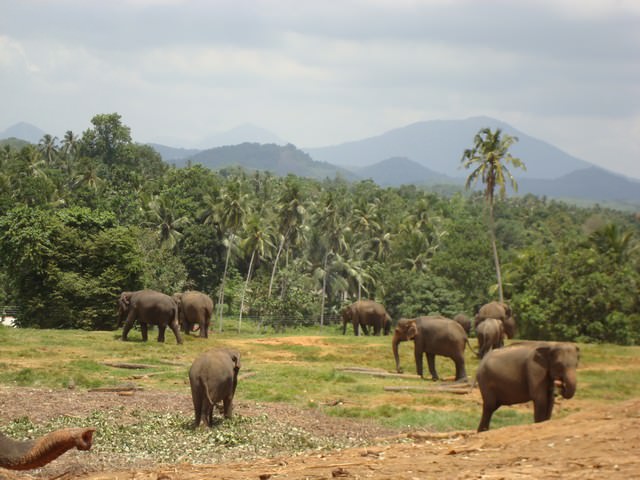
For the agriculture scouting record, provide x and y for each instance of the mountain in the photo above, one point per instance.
(246, 133)
(398, 171)
(592, 183)
(23, 131)
(279, 160)
(173, 154)
(439, 145)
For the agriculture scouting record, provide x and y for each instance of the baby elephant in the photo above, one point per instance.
(213, 377)
(527, 371)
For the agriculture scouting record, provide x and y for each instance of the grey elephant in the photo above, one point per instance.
(194, 308)
(500, 310)
(213, 377)
(432, 335)
(490, 333)
(29, 454)
(149, 308)
(464, 321)
(366, 313)
(527, 371)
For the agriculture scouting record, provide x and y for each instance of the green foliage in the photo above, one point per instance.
(83, 218)
(67, 266)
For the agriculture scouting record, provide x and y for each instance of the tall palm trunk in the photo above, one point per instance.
(324, 288)
(492, 234)
(244, 290)
(224, 277)
(275, 262)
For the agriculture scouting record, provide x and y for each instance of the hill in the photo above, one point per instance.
(14, 143)
(588, 184)
(173, 154)
(439, 144)
(401, 171)
(246, 133)
(23, 131)
(279, 160)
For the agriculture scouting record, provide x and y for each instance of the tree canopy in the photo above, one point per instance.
(84, 219)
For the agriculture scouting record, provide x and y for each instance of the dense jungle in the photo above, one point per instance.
(87, 216)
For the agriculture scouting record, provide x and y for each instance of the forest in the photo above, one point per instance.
(88, 216)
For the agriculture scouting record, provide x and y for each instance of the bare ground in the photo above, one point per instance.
(598, 442)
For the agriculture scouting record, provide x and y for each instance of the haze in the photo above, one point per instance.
(322, 73)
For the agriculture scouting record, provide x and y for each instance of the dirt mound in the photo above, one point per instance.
(599, 442)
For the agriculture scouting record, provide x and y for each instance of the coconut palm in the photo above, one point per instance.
(162, 211)
(291, 214)
(489, 157)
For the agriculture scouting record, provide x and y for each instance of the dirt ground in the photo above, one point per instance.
(598, 442)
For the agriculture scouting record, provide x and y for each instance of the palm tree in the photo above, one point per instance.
(70, 148)
(614, 242)
(489, 158)
(232, 209)
(162, 211)
(48, 147)
(291, 215)
(257, 240)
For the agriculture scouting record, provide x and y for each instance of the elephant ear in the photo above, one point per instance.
(412, 329)
(125, 299)
(542, 356)
(235, 358)
(507, 310)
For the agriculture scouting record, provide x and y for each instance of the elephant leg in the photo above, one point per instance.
(175, 328)
(543, 406)
(197, 406)
(356, 328)
(207, 411)
(365, 329)
(203, 328)
(431, 361)
(144, 329)
(487, 411)
(461, 372)
(418, 355)
(128, 324)
(161, 328)
(227, 403)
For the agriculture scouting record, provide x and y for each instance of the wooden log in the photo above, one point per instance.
(132, 366)
(445, 388)
(118, 388)
(377, 373)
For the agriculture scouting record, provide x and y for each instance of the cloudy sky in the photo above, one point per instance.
(318, 73)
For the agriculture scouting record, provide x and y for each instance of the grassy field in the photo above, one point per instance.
(300, 367)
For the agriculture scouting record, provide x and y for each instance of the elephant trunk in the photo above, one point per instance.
(569, 384)
(17, 455)
(397, 338)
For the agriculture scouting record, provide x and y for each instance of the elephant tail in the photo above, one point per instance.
(471, 348)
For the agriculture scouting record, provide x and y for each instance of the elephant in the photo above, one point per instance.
(148, 307)
(490, 334)
(366, 313)
(194, 308)
(464, 321)
(502, 312)
(527, 371)
(213, 377)
(29, 454)
(432, 335)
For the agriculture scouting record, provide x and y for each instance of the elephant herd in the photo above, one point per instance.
(519, 373)
(149, 307)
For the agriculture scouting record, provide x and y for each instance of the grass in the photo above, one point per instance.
(298, 367)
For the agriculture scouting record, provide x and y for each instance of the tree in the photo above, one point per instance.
(489, 158)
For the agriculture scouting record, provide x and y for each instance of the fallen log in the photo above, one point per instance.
(377, 373)
(246, 375)
(118, 388)
(133, 366)
(462, 390)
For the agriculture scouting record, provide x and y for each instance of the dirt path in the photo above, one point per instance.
(598, 442)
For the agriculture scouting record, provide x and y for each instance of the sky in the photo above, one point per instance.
(319, 73)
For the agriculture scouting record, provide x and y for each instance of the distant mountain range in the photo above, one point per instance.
(423, 153)
(279, 160)
(439, 145)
